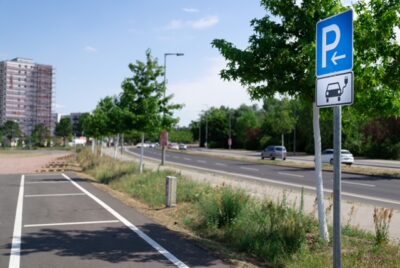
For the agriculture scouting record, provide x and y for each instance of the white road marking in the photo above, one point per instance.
(201, 161)
(176, 157)
(220, 164)
(68, 223)
(188, 159)
(145, 237)
(311, 188)
(252, 169)
(290, 174)
(39, 182)
(358, 183)
(15, 253)
(52, 195)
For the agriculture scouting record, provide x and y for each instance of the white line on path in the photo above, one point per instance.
(68, 223)
(145, 237)
(52, 195)
(252, 169)
(201, 161)
(220, 164)
(188, 159)
(358, 183)
(15, 253)
(290, 174)
(39, 182)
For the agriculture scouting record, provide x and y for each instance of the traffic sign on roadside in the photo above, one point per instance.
(335, 44)
(335, 90)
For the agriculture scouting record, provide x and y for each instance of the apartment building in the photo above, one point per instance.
(26, 94)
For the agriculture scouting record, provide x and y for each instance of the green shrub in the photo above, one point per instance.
(220, 208)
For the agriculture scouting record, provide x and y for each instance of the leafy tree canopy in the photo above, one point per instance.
(280, 57)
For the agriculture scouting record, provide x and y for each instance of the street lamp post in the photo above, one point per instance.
(165, 89)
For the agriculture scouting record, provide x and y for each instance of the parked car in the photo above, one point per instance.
(182, 146)
(346, 157)
(274, 151)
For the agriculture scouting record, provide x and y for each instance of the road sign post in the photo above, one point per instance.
(334, 88)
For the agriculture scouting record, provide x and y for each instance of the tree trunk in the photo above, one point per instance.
(122, 143)
(101, 147)
(93, 145)
(323, 228)
(116, 139)
(141, 155)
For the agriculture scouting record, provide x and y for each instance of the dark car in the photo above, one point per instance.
(274, 151)
(333, 90)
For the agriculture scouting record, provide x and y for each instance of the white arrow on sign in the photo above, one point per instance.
(335, 58)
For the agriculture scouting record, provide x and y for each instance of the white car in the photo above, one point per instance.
(173, 146)
(346, 157)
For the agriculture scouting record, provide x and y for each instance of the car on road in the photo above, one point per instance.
(346, 157)
(182, 146)
(274, 151)
(173, 146)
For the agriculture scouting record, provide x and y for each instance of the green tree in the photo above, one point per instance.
(40, 135)
(280, 57)
(64, 129)
(11, 131)
(146, 107)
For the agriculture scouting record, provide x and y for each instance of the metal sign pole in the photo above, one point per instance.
(337, 187)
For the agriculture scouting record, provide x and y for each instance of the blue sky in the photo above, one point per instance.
(91, 43)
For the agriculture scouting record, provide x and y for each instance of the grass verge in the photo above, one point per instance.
(274, 234)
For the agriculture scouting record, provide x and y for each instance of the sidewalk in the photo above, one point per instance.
(353, 213)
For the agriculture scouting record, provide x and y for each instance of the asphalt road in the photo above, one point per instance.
(56, 220)
(374, 190)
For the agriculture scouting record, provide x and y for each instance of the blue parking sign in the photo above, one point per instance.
(334, 51)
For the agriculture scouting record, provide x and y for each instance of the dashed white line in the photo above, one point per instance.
(201, 161)
(68, 223)
(128, 224)
(252, 169)
(290, 174)
(15, 253)
(220, 164)
(188, 159)
(52, 195)
(358, 183)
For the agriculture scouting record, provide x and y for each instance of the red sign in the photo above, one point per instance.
(164, 138)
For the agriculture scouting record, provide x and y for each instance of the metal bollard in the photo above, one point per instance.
(170, 191)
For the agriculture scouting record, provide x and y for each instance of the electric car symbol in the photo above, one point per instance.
(334, 90)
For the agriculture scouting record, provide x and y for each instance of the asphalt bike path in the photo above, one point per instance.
(61, 220)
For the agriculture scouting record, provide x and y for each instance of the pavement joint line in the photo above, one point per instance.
(178, 263)
(69, 223)
(359, 183)
(53, 195)
(365, 197)
(39, 182)
(290, 174)
(15, 254)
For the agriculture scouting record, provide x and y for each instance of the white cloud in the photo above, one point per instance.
(175, 24)
(205, 22)
(206, 92)
(199, 24)
(190, 10)
(90, 49)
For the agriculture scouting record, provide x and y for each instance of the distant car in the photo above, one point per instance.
(145, 145)
(182, 146)
(274, 151)
(173, 146)
(346, 157)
